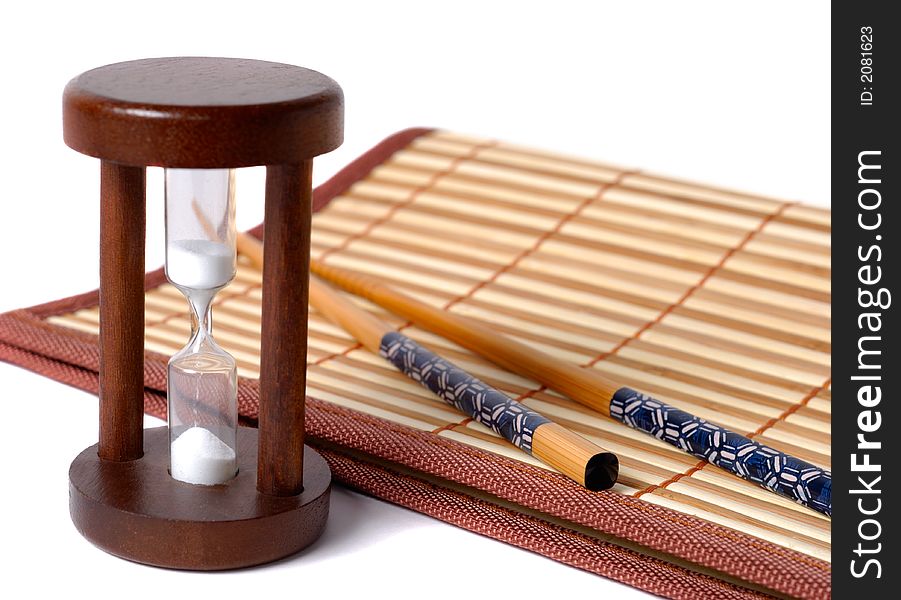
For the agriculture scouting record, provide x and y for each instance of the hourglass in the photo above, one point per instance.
(202, 493)
(202, 380)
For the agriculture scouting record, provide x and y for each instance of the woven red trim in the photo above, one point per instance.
(530, 533)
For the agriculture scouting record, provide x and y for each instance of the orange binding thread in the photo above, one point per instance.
(544, 237)
(700, 283)
(433, 179)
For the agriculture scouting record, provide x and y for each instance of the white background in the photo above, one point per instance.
(736, 96)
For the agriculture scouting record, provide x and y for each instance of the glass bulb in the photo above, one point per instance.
(202, 377)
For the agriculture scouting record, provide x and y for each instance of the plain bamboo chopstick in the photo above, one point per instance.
(786, 475)
(574, 456)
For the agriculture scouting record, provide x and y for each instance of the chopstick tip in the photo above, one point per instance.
(601, 471)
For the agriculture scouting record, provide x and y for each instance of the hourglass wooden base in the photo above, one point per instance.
(135, 510)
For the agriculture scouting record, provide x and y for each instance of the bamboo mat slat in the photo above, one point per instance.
(711, 299)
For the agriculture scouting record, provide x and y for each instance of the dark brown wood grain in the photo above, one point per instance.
(198, 112)
(135, 510)
(283, 351)
(202, 113)
(122, 226)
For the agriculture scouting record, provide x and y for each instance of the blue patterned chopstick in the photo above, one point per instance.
(786, 475)
(511, 420)
(508, 418)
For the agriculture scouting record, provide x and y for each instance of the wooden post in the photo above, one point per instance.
(122, 233)
(283, 361)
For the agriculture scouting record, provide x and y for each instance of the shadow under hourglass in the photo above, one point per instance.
(355, 523)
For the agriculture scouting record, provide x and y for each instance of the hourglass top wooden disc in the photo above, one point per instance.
(195, 112)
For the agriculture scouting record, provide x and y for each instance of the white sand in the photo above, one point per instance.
(200, 264)
(198, 456)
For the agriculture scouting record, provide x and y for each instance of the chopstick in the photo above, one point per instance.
(786, 475)
(576, 457)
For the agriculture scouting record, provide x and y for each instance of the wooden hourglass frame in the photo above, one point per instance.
(202, 113)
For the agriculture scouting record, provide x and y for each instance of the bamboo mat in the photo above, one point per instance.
(712, 300)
